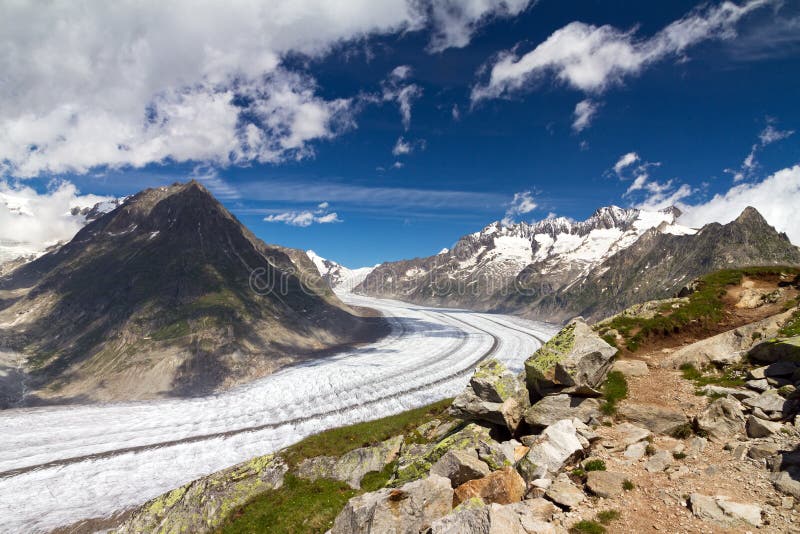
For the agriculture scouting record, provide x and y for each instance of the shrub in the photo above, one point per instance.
(627, 485)
(587, 527)
(679, 455)
(607, 516)
(595, 465)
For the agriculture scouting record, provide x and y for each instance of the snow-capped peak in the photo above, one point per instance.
(340, 278)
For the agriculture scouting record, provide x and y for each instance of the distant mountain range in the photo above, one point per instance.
(168, 294)
(337, 276)
(556, 268)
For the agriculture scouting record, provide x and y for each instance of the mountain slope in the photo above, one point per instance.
(156, 298)
(338, 277)
(557, 268)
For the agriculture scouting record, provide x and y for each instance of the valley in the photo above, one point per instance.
(64, 464)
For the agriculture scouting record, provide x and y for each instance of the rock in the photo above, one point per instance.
(780, 369)
(524, 517)
(758, 385)
(467, 520)
(724, 511)
(630, 434)
(759, 428)
(722, 419)
(655, 418)
(564, 493)
(351, 466)
(460, 467)
(505, 486)
(494, 395)
(769, 401)
(736, 393)
(415, 460)
(575, 357)
(403, 510)
(696, 446)
(552, 408)
(775, 350)
(436, 429)
(204, 504)
(548, 453)
(757, 373)
(762, 451)
(658, 462)
(636, 450)
(784, 483)
(631, 367)
(605, 484)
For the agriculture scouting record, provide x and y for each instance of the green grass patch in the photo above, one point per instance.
(704, 308)
(595, 465)
(679, 455)
(587, 527)
(627, 485)
(614, 390)
(607, 516)
(733, 376)
(298, 507)
(171, 331)
(792, 326)
(338, 441)
(375, 480)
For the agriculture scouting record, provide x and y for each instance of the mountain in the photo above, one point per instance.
(557, 268)
(338, 277)
(168, 294)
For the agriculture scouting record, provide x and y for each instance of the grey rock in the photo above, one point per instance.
(784, 483)
(724, 511)
(769, 401)
(696, 446)
(636, 451)
(762, 451)
(553, 408)
(780, 369)
(605, 484)
(460, 466)
(659, 462)
(655, 418)
(629, 433)
(576, 357)
(494, 395)
(403, 510)
(631, 367)
(757, 373)
(564, 493)
(462, 520)
(351, 466)
(760, 384)
(557, 444)
(722, 419)
(772, 351)
(759, 428)
(736, 393)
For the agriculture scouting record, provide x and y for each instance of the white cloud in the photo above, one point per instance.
(402, 147)
(776, 198)
(306, 217)
(394, 90)
(768, 135)
(456, 113)
(625, 161)
(456, 21)
(41, 219)
(585, 111)
(593, 58)
(521, 204)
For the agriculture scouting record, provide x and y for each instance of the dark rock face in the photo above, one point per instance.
(168, 271)
(642, 266)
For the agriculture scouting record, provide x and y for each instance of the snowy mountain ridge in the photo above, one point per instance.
(340, 278)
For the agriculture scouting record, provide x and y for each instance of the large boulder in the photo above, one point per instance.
(404, 510)
(202, 506)
(549, 451)
(657, 419)
(351, 466)
(553, 408)
(605, 484)
(724, 511)
(577, 358)
(460, 467)
(770, 401)
(494, 395)
(502, 487)
(721, 420)
(775, 350)
(526, 517)
(564, 493)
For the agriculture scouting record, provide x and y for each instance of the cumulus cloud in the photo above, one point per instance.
(521, 204)
(402, 147)
(455, 21)
(770, 134)
(585, 111)
(776, 198)
(395, 90)
(593, 58)
(39, 220)
(305, 218)
(625, 161)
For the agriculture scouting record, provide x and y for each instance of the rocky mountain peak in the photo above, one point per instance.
(751, 216)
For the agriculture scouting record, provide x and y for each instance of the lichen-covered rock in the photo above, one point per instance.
(351, 466)
(577, 357)
(721, 420)
(553, 408)
(494, 395)
(203, 505)
(503, 487)
(404, 510)
(549, 451)
(415, 460)
(460, 467)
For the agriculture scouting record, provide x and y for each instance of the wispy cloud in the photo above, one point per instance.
(585, 110)
(305, 218)
(770, 134)
(521, 204)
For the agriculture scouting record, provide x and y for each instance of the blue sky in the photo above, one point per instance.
(374, 134)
